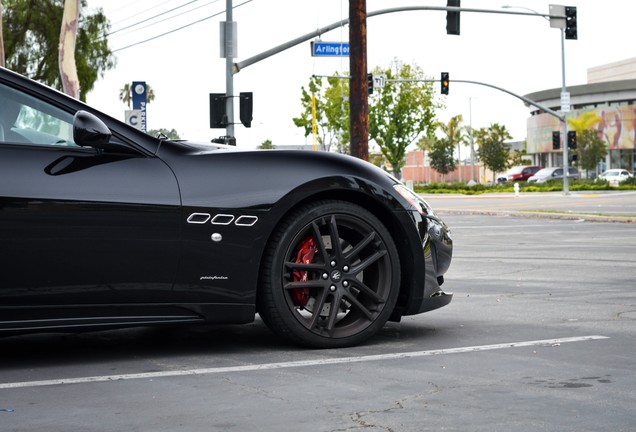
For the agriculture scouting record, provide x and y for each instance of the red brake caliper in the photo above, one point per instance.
(306, 251)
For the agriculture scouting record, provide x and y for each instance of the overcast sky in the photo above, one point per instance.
(519, 53)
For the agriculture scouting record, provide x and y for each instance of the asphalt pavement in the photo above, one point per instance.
(605, 206)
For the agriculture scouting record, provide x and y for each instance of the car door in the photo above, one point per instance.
(80, 226)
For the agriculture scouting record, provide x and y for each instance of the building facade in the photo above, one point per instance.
(611, 94)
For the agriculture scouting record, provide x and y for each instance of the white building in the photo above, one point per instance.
(610, 93)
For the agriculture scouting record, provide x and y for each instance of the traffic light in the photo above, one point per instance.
(452, 18)
(444, 82)
(570, 22)
(370, 83)
(572, 140)
(218, 116)
(556, 140)
(245, 108)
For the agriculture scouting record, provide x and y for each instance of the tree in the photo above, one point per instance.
(170, 134)
(1, 40)
(454, 132)
(440, 155)
(516, 157)
(493, 151)
(32, 30)
(401, 112)
(66, 55)
(125, 94)
(331, 111)
(590, 148)
(266, 145)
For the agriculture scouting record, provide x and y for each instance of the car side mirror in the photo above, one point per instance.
(90, 131)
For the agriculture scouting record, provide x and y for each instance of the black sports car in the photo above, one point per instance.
(103, 226)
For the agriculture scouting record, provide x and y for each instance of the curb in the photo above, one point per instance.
(540, 215)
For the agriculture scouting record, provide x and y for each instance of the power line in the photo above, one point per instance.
(169, 18)
(128, 18)
(179, 28)
(152, 17)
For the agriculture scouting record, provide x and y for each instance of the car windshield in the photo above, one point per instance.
(611, 173)
(544, 172)
(516, 170)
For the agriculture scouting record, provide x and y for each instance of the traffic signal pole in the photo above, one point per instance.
(230, 39)
(566, 163)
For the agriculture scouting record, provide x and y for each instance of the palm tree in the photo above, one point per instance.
(455, 133)
(585, 121)
(125, 94)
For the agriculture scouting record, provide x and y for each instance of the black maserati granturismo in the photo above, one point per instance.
(103, 226)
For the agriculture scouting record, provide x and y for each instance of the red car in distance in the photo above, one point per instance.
(522, 173)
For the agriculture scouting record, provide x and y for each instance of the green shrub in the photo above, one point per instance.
(629, 182)
(551, 186)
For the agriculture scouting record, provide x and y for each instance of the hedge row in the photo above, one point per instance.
(551, 186)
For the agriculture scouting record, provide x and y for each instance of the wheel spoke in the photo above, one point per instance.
(336, 299)
(367, 291)
(368, 261)
(321, 242)
(304, 284)
(304, 267)
(356, 250)
(360, 307)
(336, 247)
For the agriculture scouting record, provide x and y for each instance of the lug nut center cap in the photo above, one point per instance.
(336, 275)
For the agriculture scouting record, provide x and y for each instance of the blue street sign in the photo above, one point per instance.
(329, 49)
(139, 102)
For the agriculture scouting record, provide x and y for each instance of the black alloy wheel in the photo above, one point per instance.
(330, 276)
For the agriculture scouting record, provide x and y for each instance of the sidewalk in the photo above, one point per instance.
(606, 206)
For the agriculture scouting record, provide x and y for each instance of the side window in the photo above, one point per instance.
(28, 120)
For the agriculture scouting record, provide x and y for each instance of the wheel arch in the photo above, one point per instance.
(409, 276)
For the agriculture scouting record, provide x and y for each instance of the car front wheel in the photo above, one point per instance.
(330, 276)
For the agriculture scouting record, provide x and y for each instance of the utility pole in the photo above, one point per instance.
(358, 87)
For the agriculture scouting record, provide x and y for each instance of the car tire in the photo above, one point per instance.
(330, 276)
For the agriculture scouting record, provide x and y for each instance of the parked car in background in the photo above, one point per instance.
(615, 176)
(522, 172)
(554, 173)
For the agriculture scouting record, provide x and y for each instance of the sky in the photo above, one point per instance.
(519, 53)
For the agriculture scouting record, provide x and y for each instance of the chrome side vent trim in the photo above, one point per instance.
(246, 221)
(198, 218)
(222, 219)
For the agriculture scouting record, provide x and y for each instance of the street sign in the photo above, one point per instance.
(329, 49)
(133, 118)
(379, 80)
(139, 99)
(565, 102)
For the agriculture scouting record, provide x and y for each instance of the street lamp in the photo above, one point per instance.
(560, 10)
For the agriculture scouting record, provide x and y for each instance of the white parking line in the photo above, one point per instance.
(293, 364)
